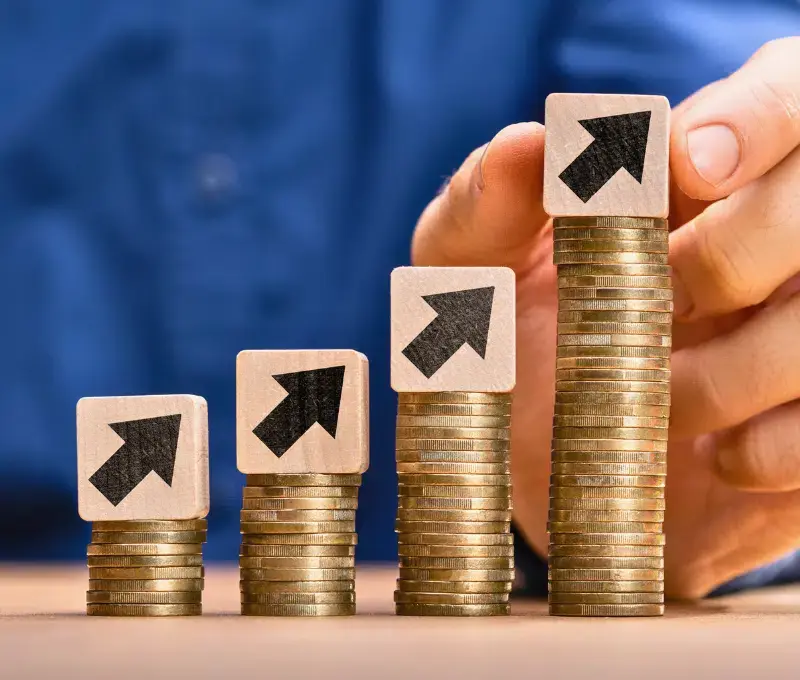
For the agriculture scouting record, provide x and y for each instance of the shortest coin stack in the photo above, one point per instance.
(454, 506)
(146, 568)
(298, 545)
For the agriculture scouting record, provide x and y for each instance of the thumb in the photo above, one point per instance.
(736, 129)
(490, 212)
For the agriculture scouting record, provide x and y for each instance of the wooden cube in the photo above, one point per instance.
(453, 329)
(606, 155)
(302, 411)
(142, 457)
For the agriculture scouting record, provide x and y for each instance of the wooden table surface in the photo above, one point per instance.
(44, 634)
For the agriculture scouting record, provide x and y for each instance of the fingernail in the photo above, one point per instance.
(477, 171)
(681, 301)
(714, 152)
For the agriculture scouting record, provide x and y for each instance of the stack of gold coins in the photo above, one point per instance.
(146, 568)
(611, 416)
(454, 508)
(298, 545)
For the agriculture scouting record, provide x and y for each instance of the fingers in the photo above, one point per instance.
(764, 453)
(491, 211)
(725, 381)
(741, 249)
(736, 129)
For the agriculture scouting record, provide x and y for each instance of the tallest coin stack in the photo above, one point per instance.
(611, 416)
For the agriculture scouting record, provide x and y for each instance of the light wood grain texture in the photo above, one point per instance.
(318, 439)
(109, 427)
(462, 338)
(44, 633)
(568, 142)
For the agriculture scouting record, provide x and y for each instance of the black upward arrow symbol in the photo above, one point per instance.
(313, 397)
(463, 319)
(151, 445)
(619, 142)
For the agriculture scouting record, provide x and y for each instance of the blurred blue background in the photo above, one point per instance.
(183, 179)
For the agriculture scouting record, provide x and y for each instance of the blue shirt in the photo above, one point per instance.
(183, 179)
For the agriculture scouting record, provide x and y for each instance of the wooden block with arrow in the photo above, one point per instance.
(143, 457)
(302, 411)
(453, 329)
(606, 155)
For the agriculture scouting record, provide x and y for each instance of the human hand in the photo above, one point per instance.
(733, 487)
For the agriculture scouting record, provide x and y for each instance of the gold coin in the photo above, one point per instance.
(616, 340)
(619, 351)
(608, 234)
(157, 525)
(456, 551)
(607, 527)
(455, 468)
(502, 433)
(609, 445)
(250, 588)
(613, 410)
(297, 515)
(465, 587)
(650, 387)
(601, 269)
(454, 397)
(449, 598)
(299, 598)
(410, 574)
(606, 609)
(453, 445)
(347, 538)
(145, 560)
(298, 527)
(598, 327)
(453, 456)
(126, 573)
(610, 433)
(428, 515)
(607, 504)
(615, 586)
(456, 563)
(613, 249)
(606, 551)
(596, 398)
(144, 609)
(607, 305)
(619, 363)
(625, 374)
(412, 409)
(452, 609)
(303, 480)
(111, 597)
(607, 539)
(606, 574)
(608, 480)
(143, 549)
(425, 503)
(453, 491)
(612, 222)
(614, 294)
(573, 515)
(606, 492)
(609, 469)
(420, 479)
(297, 574)
(619, 316)
(608, 421)
(633, 457)
(495, 539)
(298, 609)
(304, 551)
(247, 562)
(453, 421)
(300, 504)
(606, 598)
(303, 492)
(147, 585)
(606, 562)
(604, 257)
(149, 537)
(452, 527)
